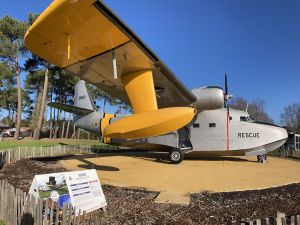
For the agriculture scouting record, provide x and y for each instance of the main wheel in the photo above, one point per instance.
(176, 156)
(261, 158)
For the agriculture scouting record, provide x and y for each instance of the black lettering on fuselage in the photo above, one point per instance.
(248, 135)
(82, 97)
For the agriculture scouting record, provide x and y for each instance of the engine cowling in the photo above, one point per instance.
(209, 98)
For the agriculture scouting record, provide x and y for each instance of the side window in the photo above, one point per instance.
(212, 125)
(243, 118)
(230, 117)
(196, 125)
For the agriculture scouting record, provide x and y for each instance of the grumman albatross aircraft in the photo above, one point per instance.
(89, 40)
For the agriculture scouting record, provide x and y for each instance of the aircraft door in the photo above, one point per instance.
(184, 139)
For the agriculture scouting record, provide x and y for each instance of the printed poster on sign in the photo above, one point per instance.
(82, 189)
(85, 190)
(52, 186)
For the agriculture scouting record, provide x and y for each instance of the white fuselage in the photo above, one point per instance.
(208, 132)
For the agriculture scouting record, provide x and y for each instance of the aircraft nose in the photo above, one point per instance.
(281, 133)
(279, 136)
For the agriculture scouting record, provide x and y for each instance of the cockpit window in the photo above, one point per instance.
(243, 118)
(212, 125)
(246, 119)
(250, 119)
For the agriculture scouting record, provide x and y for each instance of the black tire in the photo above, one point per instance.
(261, 158)
(176, 156)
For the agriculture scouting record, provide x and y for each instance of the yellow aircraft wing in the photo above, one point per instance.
(86, 38)
(83, 35)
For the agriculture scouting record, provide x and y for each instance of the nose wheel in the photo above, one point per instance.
(176, 156)
(262, 158)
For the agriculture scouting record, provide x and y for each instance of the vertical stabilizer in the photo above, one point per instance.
(82, 98)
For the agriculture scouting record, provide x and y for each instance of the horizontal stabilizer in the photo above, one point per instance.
(70, 108)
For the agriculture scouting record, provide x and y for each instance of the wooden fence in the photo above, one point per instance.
(281, 219)
(286, 153)
(19, 208)
(14, 154)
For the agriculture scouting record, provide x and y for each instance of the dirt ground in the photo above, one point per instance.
(133, 206)
(152, 171)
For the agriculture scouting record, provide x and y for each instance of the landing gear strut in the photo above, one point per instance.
(176, 156)
(262, 158)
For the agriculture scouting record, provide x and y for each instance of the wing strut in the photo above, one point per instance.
(148, 120)
(114, 64)
(140, 90)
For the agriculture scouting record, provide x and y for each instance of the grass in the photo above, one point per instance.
(1, 222)
(61, 191)
(29, 142)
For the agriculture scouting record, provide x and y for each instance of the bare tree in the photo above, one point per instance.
(256, 109)
(291, 117)
(239, 104)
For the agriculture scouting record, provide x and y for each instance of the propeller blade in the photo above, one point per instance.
(226, 86)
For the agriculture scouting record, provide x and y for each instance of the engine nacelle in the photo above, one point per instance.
(209, 98)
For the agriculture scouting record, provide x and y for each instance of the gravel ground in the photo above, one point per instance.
(131, 206)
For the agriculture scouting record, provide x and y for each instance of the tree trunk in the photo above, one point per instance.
(68, 127)
(74, 132)
(37, 131)
(51, 119)
(63, 130)
(57, 124)
(19, 113)
(36, 111)
(78, 133)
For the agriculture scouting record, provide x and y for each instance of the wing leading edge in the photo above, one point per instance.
(82, 36)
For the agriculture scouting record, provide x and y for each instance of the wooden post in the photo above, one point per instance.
(280, 215)
(8, 161)
(84, 217)
(57, 214)
(292, 220)
(64, 215)
(70, 215)
(298, 219)
(51, 213)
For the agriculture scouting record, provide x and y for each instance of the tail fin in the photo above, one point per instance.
(82, 98)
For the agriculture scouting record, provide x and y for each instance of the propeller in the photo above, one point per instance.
(226, 98)
(226, 95)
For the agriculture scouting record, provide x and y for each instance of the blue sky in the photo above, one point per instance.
(256, 42)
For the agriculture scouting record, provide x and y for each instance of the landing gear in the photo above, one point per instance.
(176, 156)
(262, 158)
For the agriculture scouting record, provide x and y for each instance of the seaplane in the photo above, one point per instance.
(92, 42)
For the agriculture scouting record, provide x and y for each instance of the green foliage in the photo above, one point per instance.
(12, 32)
(6, 76)
(62, 84)
(46, 142)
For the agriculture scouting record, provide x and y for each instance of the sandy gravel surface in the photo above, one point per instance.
(152, 171)
(136, 206)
